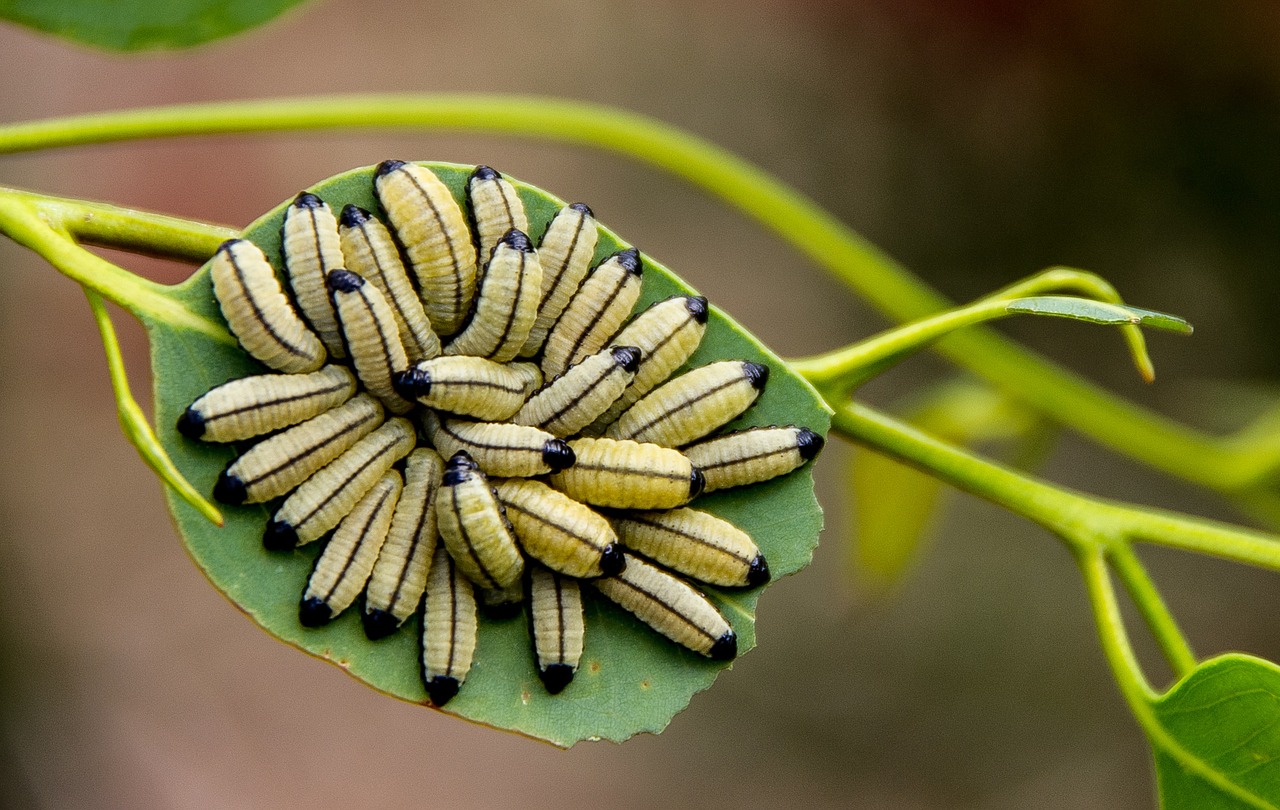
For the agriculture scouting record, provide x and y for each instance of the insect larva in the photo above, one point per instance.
(751, 456)
(506, 303)
(559, 532)
(696, 544)
(530, 374)
(468, 386)
(582, 393)
(555, 603)
(309, 242)
(672, 607)
(565, 252)
(501, 450)
(693, 404)
(325, 498)
(279, 463)
(251, 406)
(501, 603)
(258, 312)
(473, 528)
(449, 630)
(370, 252)
(343, 569)
(431, 227)
(594, 313)
(667, 334)
(372, 336)
(495, 209)
(628, 475)
(400, 575)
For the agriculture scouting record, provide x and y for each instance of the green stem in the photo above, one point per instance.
(1143, 434)
(134, 422)
(1177, 651)
(1222, 540)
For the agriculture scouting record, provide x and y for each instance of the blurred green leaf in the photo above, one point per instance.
(894, 504)
(1085, 309)
(140, 25)
(631, 679)
(1223, 724)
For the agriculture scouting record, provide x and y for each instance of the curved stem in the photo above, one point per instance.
(1177, 650)
(134, 422)
(1143, 434)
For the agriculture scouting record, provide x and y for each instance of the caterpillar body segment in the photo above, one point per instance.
(432, 229)
(559, 532)
(348, 558)
(565, 253)
(500, 449)
(466, 386)
(473, 528)
(449, 629)
(311, 247)
(506, 303)
(281, 462)
(667, 334)
(501, 603)
(369, 327)
(251, 406)
(572, 401)
(628, 475)
(400, 575)
(370, 252)
(693, 404)
(750, 456)
(696, 544)
(325, 498)
(594, 313)
(559, 630)
(495, 209)
(259, 313)
(530, 374)
(672, 607)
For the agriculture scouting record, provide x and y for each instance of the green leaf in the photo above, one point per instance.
(1085, 309)
(1217, 737)
(631, 680)
(895, 503)
(140, 25)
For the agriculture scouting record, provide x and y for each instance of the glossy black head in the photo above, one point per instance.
(387, 167)
(279, 536)
(725, 648)
(314, 612)
(353, 216)
(307, 200)
(697, 483)
(343, 281)
(809, 444)
(612, 560)
(458, 469)
(757, 374)
(697, 306)
(628, 357)
(582, 208)
(516, 240)
(379, 624)
(229, 489)
(558, 455)
(758, 573)
(412, 383)
(441, 689)
(191, 424)
(556, 677)
(485, 173)
(629, 259)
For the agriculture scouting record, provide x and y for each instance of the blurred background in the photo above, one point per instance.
(975, 140)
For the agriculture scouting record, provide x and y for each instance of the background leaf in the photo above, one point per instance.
(139, 25)
(1085, 309)
(631, 680)
(1225, 716)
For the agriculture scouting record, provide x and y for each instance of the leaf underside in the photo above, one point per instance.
(631, 680)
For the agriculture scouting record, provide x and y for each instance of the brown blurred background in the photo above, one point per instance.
(976, 140)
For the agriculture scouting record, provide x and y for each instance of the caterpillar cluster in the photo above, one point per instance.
(472, 419)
